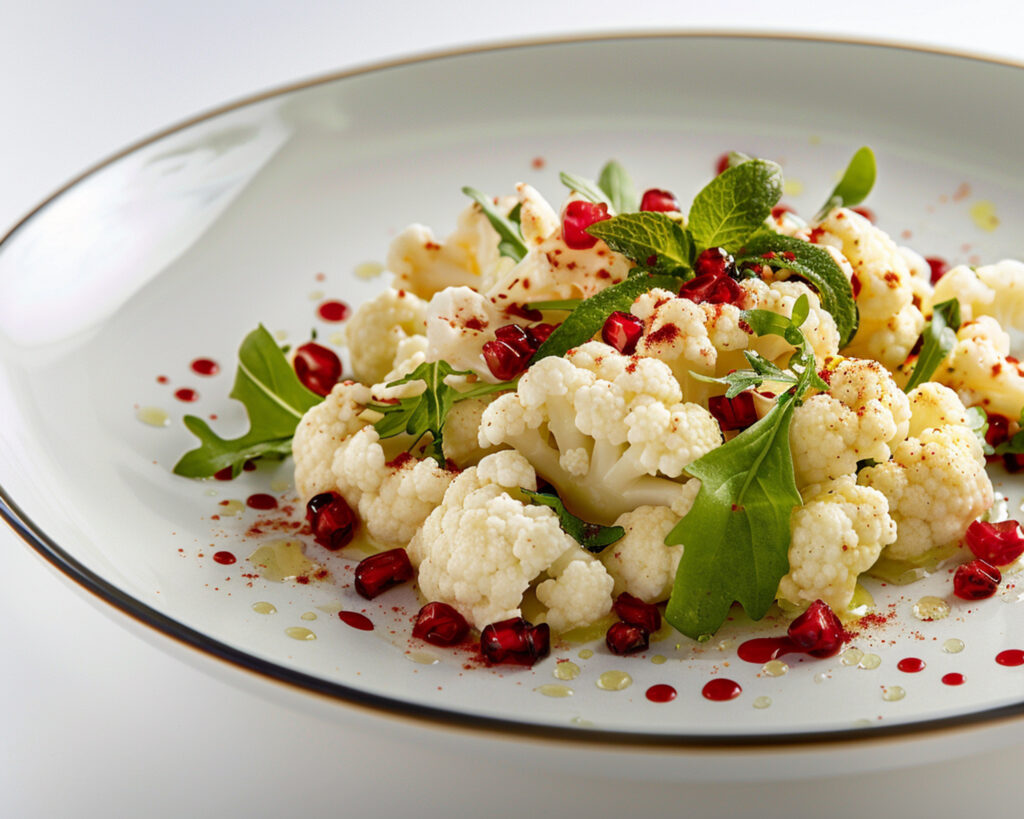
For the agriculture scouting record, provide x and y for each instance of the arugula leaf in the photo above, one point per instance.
(590, 315)
(275, 400)
(616, 183)
(856, 184)
(939, 337)
(814, 264)
(511, 243)
(585, 188)
(427, 412)
(639, 236)
(734, 204)
(593, 537)
(739, 380)
(557, 304)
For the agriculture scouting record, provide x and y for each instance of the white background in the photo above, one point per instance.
(95, 720)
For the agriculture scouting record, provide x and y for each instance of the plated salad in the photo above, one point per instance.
(628, 409)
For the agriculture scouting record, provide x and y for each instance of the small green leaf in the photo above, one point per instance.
(977, 421)
(856, 184)
(617, 185)
(734, 204)
(938, 339)
(557, 304)
(510, 242)
(641, 236)
(593, 537)
(585, 188)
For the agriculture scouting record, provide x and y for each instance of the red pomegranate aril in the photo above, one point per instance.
(781, 210)
(733, 413)
(332, 520)
(817, 631)
(515, 641)
(378, 573)
(516, 337)
(996, 543)
(867, 213)
(998, 429)
(626, 638)
(504, 361)
(440, 625)
(658, 200)
(715, 261)
(636, 612)
(937, 266)
(318, 368)
(722, 163)
(976, 580)
(540, 333)
(711, 289)
(577, 217)
(622, 331)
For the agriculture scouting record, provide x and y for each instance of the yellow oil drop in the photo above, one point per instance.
(299, 633)
(659, 659)
(280, 485)
(870, 662)
(852, 656)
(264, 608)
(554, 690)
(153, 416)
(585, 634)
(614, 681)
(585, 654)
(368, 270)
(775, 668)
(337, 338)
(280, 335)
(762, 702)
(983, 214)
(566, 671)
(230, 508)
(307, 615)
(893, 693)
(579, 722)
(282, 560)
(330, 608)
(953, 646)
(931, 608)
(422, 657)
(316, 295)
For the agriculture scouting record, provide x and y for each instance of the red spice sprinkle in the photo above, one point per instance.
(186, 394)
(789, 255)
(205, 366)
(1010, 657)
(261, 500)
(162, 379)
(333, 310)
(910, 665)
(224, 558)
(721, 689)
(661, 693)
(538, 163)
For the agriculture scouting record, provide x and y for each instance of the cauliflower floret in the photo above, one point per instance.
(979, 369)
(936, 485)
(461, 442)
(837, 533)
(920, 278)
(862, 417)
(320, 433)
(995, 290)
(933, 405)
(889, 322)
(480, 550)
(424, 266)
(376, 330)
(607, 445)
(393, 498)
(459, 322)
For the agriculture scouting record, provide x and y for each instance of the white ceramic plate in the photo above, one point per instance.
(175, 249)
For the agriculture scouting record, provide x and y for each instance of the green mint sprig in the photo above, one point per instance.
(613, 188)
(856, 183)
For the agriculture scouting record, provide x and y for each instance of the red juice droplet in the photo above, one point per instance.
(186, 394)
(205, 366)
(333, 310)
(261, 501)
(224, 474)
(356, 620)
(953, 679)
(764, 649)
(1010, 657)
(910, 665)
(162, 379)
(661, 693)
(721, 689)
(224, 558)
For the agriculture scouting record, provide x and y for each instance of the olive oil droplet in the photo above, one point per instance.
(614, 681)
(566, 671)
(299, 633)
(153, 416)
(554, 690)
(953, 646)
(264, 608)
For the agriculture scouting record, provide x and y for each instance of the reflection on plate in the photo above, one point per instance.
(116, 288)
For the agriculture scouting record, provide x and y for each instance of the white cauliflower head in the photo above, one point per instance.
(320, 433)
(459, 322)
(995, 290)
(376, 330)
(980, 370)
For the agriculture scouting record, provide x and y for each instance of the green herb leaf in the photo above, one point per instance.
(639, 236)
(275, 400)
(585, 188)
(557, 304)
(856, 184)
(590, 315)
(593, 537)
(734, 204)
(617, 185)
(977, 421)
(740, 380)
(939, 338)
(511, 243)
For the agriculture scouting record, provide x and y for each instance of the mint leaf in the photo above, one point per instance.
(590, 315)
(617, 185)
(585, 188)
(641, 236)
(938, 339)
(734, 204)
(593, 537)
(556, 304)
(856, 184)
(275, 400)
(814, 264)
(510, 241)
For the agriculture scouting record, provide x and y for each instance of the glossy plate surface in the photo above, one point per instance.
(177, 248)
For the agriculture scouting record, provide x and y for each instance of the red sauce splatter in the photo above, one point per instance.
(162, 379)
(721, 689)
(722, 164)
(910, 665)
(205, 366)
(223, 475)
(1012, 657)
(764, 649)
(333, 310)
(356, 620)
(186, 394)
(953, 679)
(261, 500)
(661, 693)
(249, 466)
(224, 558)
(538, 163)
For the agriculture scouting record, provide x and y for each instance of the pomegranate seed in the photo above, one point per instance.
(998, 429)
(722, 164)
(976, 580)
(622, 331)
(504, 361)
(332, 520)
(318, 368)
(516, 337)
(780, 210)
(539, 333)
(658, 200)
(715, 261)
(711, 289)
(938, 267)
(440, 625)
(996, 543)
(817, 631)
(733, 413)
(515, 641)
(1013, 463)
(625, 638)
(578, 216)
(379, 572)
(867, 213)
(636, 612)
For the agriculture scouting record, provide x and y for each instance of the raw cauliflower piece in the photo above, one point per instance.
(424, 266)
(320, 433)
(862, 417)
(936, 485)
(837, 533)
(459, 322)
(480, 550)
(378, 327)
(995, 290)
(889, 321)
(609, 432)
(933, 405)
(981, 372)
(393, 498)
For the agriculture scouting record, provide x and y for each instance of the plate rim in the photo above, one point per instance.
(105, 592)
